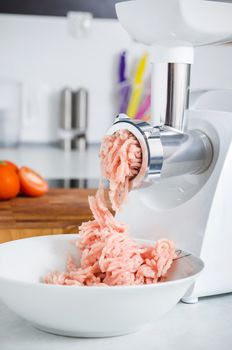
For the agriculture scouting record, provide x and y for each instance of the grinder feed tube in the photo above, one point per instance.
(170, 94)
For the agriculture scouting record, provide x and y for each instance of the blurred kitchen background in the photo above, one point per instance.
(67, 68)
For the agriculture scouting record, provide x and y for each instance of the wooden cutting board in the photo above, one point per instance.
(59, 211)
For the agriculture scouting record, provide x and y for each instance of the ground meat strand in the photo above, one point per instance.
(121, 160)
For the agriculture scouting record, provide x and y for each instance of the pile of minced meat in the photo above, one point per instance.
(109, 256)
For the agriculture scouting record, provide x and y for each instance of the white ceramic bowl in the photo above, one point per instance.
(83, 311)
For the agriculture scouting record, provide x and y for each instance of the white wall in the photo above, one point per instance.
(39, 52)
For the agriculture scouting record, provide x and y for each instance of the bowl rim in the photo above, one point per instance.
(105, 287)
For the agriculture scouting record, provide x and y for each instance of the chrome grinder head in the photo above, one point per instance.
(150, 143)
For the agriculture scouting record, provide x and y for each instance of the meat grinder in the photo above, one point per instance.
(184, 187)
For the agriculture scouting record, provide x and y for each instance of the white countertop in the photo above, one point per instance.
(206, 325)
(52, 162)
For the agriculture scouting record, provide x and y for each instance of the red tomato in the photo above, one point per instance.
(9, 183)
(9, 165)
(32, 184)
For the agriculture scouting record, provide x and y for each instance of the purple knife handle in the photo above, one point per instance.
(124, 94)
(122, 67)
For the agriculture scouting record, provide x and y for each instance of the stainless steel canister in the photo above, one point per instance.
(66, 119)
(80, 119)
